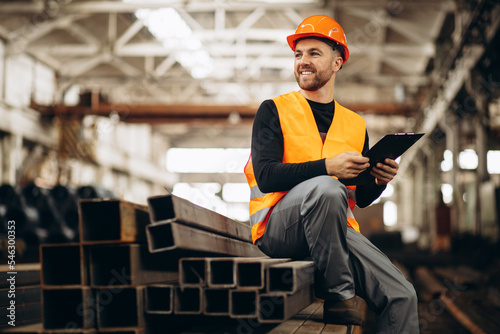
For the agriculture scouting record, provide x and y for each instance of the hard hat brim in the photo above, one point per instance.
(293, 38)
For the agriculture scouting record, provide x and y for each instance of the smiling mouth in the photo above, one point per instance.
(306, 72)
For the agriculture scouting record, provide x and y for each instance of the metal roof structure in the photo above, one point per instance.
(233, 53)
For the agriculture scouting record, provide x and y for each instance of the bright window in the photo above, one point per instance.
(236, 193)
(467, 159)
(447, 191)
(207, 160)
(447, 163)
(390, 213)
(493, 158)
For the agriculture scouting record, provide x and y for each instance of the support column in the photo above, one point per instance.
(419, 204)
(431, 188)
(458, 211)
(480, 91)
(11, 157)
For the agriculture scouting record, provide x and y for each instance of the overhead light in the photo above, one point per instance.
(170, 28)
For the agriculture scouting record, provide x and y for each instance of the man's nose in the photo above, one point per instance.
(304, 60)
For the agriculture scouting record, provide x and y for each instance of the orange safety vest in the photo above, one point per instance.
(302, 143)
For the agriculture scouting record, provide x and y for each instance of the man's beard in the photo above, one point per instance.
(312, 84)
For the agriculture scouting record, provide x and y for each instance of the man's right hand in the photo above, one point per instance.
(346, 165)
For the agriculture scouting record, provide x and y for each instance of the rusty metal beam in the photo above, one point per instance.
(432, 287)
(111, 221)
(65, 331)
(24, 295)
(192, 272)
(159, 298)
(68, 308)
(276, 307)
(63, 265)
(122, 331)
(216, 302)
(221, 273)
(228, 272)
(25, 313)
(243, 304)
(290, 277)
(251, 273)
(244, 273)
(120, 308)
(186, 113)
(161, 113)
(130, 265)
(188, 300)
(173, 236)
(170, 208)
(27, 274)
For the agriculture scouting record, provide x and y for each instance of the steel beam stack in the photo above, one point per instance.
(97, 284)
(20, 295)
(177, 224)
(141, 269)
(263, 289)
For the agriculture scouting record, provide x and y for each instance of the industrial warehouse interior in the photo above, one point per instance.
(126, 126)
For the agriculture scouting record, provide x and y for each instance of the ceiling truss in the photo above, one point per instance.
(103, 45)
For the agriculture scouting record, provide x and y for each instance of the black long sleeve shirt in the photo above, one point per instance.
(273, 175)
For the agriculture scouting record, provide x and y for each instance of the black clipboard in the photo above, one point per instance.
(390, 146)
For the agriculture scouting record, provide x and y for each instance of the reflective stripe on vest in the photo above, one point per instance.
(302, 142)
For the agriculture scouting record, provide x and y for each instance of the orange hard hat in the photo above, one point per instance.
(320, 26)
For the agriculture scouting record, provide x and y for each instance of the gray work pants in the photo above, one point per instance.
(310, 222)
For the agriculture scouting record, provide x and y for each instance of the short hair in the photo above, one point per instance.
(334, 45)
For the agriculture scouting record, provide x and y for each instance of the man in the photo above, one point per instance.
(302, 144)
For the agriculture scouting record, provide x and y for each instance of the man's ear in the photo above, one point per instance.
(337, 63)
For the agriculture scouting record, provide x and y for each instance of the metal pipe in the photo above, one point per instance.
(275, 307)
(170, 208)
(290, 276)
(170, 236)
(65, 331)
(159, 298)
(73, 272)
(188, 300)
(130, 265)
(221, 273)
(192, 271)
(251, 273)
(122, 331)
(63, 307)
(216, 302)
(120, 307)
(112, 221)
(27, 274)
(243, 304)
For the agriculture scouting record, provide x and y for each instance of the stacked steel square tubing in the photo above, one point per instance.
(269, 290)
(140, 268)
(177, 224)
(25, 291)
(96, 285)
(220, 286)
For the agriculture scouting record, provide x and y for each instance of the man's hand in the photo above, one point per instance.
(346, 165)
(385, 172)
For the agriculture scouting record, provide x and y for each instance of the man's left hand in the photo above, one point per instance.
(385, 172)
